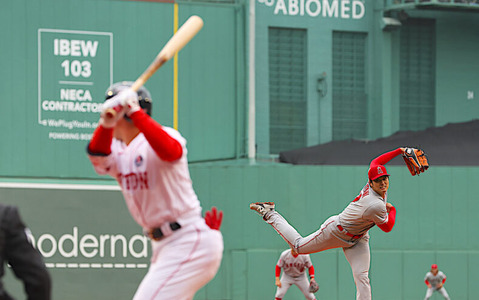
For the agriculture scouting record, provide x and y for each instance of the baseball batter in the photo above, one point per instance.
(348, 230)
(435, 280)
(149, 162)
(294, 272)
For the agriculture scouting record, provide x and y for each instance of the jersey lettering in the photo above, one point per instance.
(133, 181)
(299, 266)
(364, 193)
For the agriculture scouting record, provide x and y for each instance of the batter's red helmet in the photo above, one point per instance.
(144, 96)
(434, 266)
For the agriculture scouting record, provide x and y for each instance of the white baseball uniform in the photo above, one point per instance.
(294, 272)
(434, 281)
(159, 193)
(348, 230)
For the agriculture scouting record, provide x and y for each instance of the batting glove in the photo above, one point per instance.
(112, 111)
(130, 101)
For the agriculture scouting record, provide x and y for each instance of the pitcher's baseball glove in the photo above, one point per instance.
(313, 286)
(416, 160)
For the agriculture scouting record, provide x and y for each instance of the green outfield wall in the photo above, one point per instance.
(76, 227)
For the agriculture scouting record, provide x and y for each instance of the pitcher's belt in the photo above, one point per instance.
(349, 234)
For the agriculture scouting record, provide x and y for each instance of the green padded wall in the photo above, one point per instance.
(63, 223)
(436, 217)
(435, 222)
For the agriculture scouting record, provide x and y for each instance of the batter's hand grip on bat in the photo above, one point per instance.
(111, 113)
(111, 108)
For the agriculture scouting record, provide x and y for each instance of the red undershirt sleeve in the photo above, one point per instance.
(311, 272)
(444, 281)
(100, 143)
(426, 282)
(386, 157)
(388, 226)
(165, 146)
(277, 271)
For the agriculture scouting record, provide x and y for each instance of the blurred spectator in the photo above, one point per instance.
(26, 262)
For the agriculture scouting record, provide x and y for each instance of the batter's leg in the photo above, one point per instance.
(429, 293)
(358, 257)
(444, 293)
(187, 261)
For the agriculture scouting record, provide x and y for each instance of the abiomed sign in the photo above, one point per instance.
(340, 9)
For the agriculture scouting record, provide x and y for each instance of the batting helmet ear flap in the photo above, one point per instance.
(144, 96)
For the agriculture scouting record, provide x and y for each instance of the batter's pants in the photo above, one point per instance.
(182, 263)
(328, 237)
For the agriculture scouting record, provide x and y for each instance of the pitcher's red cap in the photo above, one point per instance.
(434, 266)
(377, 171)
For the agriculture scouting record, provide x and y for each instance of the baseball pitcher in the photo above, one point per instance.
(349, 229)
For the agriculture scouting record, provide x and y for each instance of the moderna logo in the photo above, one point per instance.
(113, 250)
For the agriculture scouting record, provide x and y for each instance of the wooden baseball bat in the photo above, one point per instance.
(186, 32)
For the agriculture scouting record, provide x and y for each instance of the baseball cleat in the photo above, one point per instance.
(262, 207)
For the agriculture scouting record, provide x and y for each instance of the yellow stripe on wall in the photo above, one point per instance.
(175, 71)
